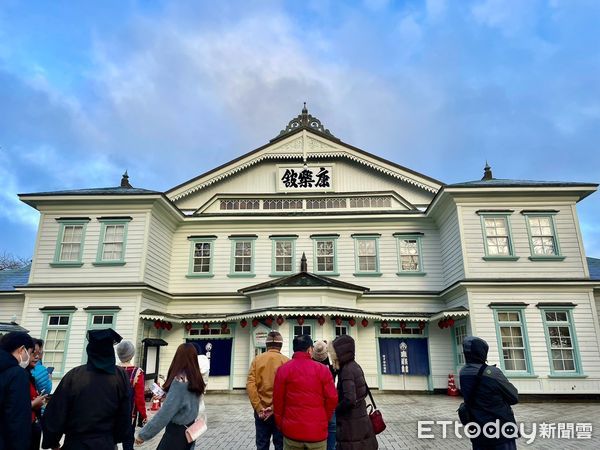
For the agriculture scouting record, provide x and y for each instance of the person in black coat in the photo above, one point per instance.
(15, 404)
(491, 400)
(91, 405)
(353, 425)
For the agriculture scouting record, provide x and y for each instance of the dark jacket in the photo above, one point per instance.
(15, 405)
(493, 396)
(354, 430)
(90, 408)
(304, 399)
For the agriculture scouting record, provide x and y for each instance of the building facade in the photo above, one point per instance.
(310, 235)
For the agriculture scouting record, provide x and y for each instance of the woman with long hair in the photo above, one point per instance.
(184, 387)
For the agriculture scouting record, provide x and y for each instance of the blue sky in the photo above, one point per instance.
(168, 90)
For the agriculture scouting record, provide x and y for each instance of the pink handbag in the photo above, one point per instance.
(195, 430)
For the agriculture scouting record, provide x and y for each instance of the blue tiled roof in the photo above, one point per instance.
(98, 191)
(594, 266)
(10, 278)
(500, 182)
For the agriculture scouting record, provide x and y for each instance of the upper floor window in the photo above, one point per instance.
(242, 255)
(325, 258)
(543, 240)
(366, 248)
(113, 235)
(561, 341)
(325, 203)
(240, 204)
(283, 254)
(512, 340)
(69, 244)
(410, 261)
(201, 258)
(497, 238)
(282, 204)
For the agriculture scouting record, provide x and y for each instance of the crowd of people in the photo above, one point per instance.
(315, 400)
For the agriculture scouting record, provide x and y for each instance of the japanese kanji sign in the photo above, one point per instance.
(305, 178)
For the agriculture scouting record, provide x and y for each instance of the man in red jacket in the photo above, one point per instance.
(304, 399)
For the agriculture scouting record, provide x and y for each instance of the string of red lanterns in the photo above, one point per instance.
(162, 325)
(446, 323)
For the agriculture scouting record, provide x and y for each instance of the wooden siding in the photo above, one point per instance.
(159, 248)
(482, 322)
(126, 318)
(42, 272)
(11, 308)
(347, 176)
(450, 245)
(304, 228)
(572, 266)
(441, 355)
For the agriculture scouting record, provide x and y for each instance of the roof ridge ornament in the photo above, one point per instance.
(487, 172)
(304, 120)
(125, 181)
(303, 263)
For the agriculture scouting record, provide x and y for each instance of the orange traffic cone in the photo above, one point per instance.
(452, 390)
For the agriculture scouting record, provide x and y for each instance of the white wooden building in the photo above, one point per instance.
(392, 257)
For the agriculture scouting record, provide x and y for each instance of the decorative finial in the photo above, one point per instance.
(487, 172)
(125, 181)
(303, 263)
(305, 121)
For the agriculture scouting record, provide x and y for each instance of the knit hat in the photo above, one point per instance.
(125, 351)
(319, 350)
(274, 337)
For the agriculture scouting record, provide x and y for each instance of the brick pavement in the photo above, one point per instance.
(231, 424)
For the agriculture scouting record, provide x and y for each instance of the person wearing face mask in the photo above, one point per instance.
(15, 404)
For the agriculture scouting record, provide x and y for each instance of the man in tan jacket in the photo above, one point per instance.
(261, 378)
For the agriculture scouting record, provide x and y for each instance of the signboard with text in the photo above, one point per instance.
(304, 178)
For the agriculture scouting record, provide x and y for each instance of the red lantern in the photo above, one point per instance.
(279, 320)
(441, 324)
(321, 320)
(421, 324)
(168, 326)
(188, 327)
(255, 322)
(364, 323)
(338, 321)
(205, 326)
(163, 325)
(269, 321)
(450, 322)
(243, 323)
(352, 322)
(384, 325)
(157, 324)
(224, 326)
(300, 320)
(402, 324)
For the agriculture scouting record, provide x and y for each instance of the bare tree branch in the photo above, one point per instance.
(9, 261)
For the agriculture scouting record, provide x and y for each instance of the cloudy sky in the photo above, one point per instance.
(168, 90)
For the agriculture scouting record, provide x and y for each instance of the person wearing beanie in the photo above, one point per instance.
(16, 349)
(321, 355)
(90, 406)
(304, 399)
(125, 353)
(259, 387)
(354, 429)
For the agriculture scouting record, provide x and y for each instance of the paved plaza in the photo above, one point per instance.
(231, 424)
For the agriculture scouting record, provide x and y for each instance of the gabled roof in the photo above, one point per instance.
(303, 279)
(304, 123)
(594, 268)
(10, 278)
